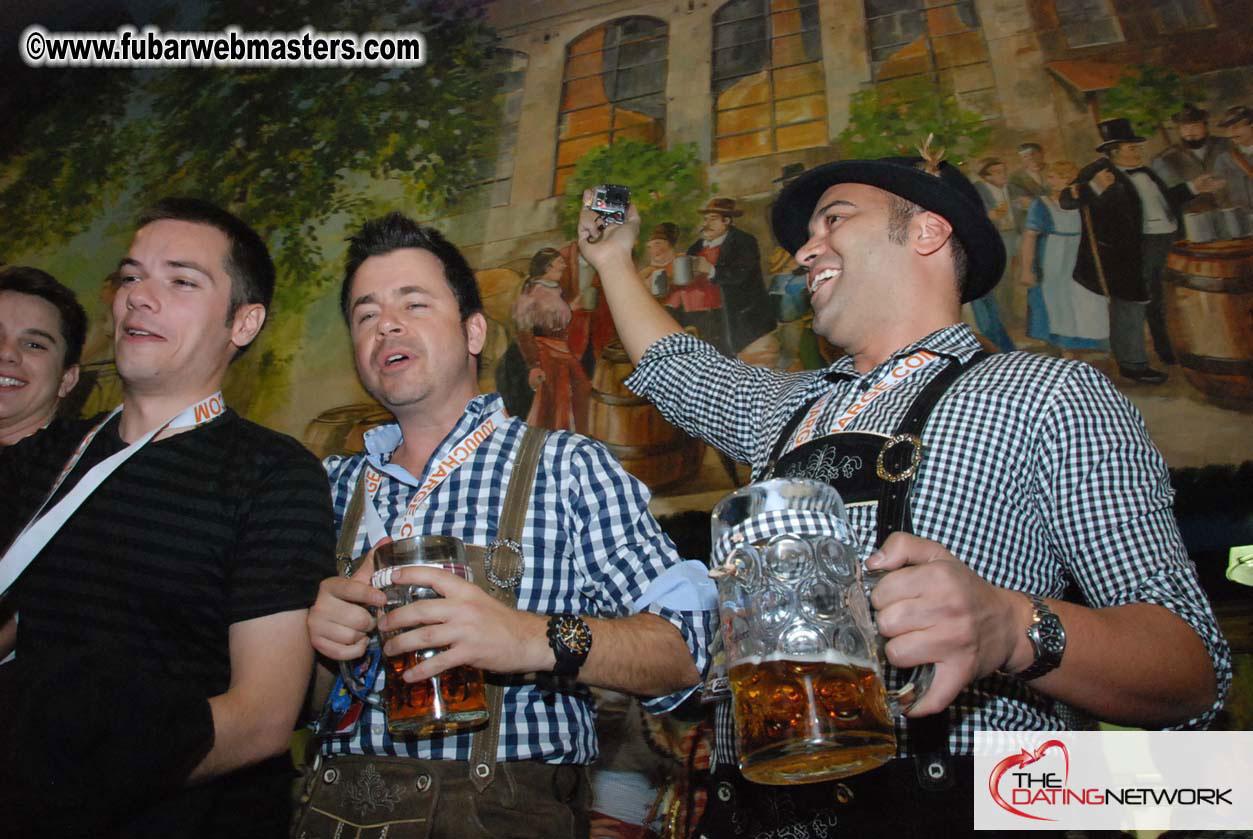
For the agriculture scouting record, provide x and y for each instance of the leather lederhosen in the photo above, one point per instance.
(866, 468)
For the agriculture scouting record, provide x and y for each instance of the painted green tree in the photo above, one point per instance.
(894, 118)
(1148, 95)
(666, 184)
(301, 154)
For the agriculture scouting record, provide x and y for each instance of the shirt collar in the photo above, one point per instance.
(713, 243)
(956, 340)
(382, 441)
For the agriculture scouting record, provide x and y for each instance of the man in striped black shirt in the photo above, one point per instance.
(161, 647)
(1036, 476)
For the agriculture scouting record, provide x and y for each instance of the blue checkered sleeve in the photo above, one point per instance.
(622, 549)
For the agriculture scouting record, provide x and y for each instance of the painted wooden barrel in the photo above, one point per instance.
(341, 430)
(1208, 297)
(648, 447)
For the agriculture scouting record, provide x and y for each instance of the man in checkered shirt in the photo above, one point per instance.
(1036, 475)
(589, 548)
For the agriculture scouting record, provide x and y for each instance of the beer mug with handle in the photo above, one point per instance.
(453, 700)
(804, 656)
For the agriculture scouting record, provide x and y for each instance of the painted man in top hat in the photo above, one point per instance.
(986, 484)
(1197, 151)
(726, 300)
(1235, 165)
(1130, 221)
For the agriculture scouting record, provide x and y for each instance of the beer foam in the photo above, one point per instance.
(825, 657)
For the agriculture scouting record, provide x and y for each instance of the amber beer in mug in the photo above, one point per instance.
(451, 701)
(447, 702)
(785, 705)
(454, 695)
(805, 660)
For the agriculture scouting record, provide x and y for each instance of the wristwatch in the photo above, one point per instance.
(1048, 640)
(571, 639)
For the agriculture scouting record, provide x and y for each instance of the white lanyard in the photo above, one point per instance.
(438, 473)
(901, 371)
(41, 528)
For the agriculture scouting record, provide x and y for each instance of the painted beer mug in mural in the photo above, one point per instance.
(455, 699)
(804, 657)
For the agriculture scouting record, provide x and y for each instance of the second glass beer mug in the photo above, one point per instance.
(451, 701)
(804, 657)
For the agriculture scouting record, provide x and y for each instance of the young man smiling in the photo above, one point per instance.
(42, 327)
(987, 484)
(161, 644)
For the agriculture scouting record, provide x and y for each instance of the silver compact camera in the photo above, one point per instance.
(610, 202)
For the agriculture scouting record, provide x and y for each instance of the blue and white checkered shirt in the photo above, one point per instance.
(1036, 472)
(589, 546)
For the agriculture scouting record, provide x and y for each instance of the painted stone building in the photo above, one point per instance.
(759, 84)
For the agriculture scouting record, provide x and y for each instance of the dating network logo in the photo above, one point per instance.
(1030, 781)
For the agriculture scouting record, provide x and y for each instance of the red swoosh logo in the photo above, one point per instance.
(1025, 758)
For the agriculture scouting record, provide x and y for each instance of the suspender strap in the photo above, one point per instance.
(928, 736)
(896, 468)
(349, 526)
(498, 569)
(898, 462)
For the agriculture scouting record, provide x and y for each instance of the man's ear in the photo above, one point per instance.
(69, 378)
(931, 231)
(476, 332)
(248, 320)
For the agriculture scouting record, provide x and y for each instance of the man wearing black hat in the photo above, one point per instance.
(1197, 151)
(726, 300)
(1235, 165)
(986, 483)
(1130, 221)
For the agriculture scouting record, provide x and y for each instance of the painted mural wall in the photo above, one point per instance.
(704, 109)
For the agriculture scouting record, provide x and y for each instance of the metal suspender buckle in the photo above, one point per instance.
(490, 563)
(880, 467)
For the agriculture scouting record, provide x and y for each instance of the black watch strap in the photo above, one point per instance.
(571, 639)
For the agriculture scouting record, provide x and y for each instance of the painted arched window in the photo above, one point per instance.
(614, 87)
(768, 86)
(937, 40)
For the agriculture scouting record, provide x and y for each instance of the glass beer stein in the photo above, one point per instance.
(804, 658)
(451, 701)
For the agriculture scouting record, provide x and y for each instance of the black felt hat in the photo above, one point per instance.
(1189, 114)
(1236, 114)
(948, 194)
(1114, 131)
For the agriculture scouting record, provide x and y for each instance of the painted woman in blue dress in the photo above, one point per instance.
(1059, 310)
